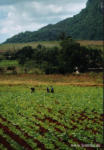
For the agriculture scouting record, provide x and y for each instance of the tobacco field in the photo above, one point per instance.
(61, 120)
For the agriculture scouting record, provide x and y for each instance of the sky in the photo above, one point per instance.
(30, 15)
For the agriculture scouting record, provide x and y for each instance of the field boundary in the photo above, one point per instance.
(48, 83)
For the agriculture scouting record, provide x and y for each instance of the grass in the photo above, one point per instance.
(86, 42)
(7, 63)
(92, 44)
(14, 47)
(86, 79)
(17, 46)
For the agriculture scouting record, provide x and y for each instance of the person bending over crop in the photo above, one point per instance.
(32, 90)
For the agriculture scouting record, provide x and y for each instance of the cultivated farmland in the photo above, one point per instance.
(17, 46)
(70, 117)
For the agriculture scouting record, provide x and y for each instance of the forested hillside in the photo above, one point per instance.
(87, 25)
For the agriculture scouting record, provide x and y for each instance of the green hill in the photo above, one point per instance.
(87, 25)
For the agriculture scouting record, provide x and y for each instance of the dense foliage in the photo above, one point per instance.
(87, 25)
(60, 60)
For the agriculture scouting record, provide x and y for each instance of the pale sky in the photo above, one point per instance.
(30, 15)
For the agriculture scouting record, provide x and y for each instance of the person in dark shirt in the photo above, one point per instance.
(52, 90)
(48, 90)
(32, 90)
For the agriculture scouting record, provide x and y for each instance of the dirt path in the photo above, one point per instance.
(87, 79)
(34, 83)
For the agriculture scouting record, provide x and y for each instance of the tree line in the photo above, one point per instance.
(62, 60)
